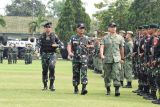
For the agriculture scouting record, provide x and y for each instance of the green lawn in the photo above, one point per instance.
(20, 86)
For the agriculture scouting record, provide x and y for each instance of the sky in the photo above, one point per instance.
(89, 5)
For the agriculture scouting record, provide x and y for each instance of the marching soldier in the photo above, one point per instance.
(112, 51)
(77, 48)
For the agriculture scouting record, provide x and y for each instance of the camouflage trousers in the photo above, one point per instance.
(48, 61)
(10, 57)
(1, 57)
(128, 71)
(28, 58)
(14, 58)
(112, 71)
(79, 70)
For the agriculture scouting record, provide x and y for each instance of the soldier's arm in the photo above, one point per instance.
(122, 49)
(69, 48)
(102, 51)
(130, 51)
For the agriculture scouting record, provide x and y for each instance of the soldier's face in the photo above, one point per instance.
(48, 29)
(80, 30)
(112, 29)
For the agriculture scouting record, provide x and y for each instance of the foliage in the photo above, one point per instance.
(2, 22)
(25, 8)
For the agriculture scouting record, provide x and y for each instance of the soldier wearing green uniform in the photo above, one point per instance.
(15, 53)
(1, 52)
(28, 54)
(112, 51)
(10, 56)
(77, 48)
(123, 34)
(128, 50)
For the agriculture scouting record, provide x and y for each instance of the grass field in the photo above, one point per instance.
(20, 86)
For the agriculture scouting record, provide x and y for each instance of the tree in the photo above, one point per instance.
(72, 14)
(34, 26)
(144, 12)
(25, 8)
(2, 22)
(55, 7)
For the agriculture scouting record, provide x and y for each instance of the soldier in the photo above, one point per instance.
(156, 63)
(15, 53)
(10, 57)
(1, 52)
(128, 50)
(123, 34)
(28, 53)
(48, 44)
(112, 51)
(77, 48)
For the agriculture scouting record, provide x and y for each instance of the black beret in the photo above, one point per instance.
(140, 27)
(80, 25)
(145, 26)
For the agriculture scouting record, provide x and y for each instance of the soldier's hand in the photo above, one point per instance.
(122, 61)
(102, 56)
(54, 45)
(70, 54)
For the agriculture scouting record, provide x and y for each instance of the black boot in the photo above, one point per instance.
(108, 91)
(45, 86)
(51, 87)
(156, 102)
(117, 93)
(84, 90)
(129, 85)
(76, 91)
(121, 83)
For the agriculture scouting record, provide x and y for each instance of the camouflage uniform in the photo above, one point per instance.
(28, 54)
(1, 53)
(79, 63)
(10, 56)
(15, 53)
(112, 66)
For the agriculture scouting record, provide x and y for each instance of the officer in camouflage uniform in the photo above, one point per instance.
(123, 34)
(112, 51)
(1, 53)
(28, 53)
(77, 48)
(10, 56)
(15, 53)
(128, 50)
(48, 44)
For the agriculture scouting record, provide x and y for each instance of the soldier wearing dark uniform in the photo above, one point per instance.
(10, 56)
(48, 43)
(28, 53)
(1, 52)
(77, 48)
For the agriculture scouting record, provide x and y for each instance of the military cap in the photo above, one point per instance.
(48, 24)
(145, 26)
(130, 32)
(122, 31)
(152, 26)
(80, 25)
(112, 24)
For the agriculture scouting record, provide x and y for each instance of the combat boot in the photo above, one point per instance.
(45, 86)
(108, 91)
(129, 85)
(51, 87)
(84, 90)
(151, 96)
(156, 102)
(117, 93)
(76, 91)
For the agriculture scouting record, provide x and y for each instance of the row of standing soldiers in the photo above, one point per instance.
(146, 61)
(12, 52)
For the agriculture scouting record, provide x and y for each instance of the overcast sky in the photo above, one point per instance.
(89, 5)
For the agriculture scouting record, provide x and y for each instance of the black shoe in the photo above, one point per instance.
(84, 90)
(45, 88)
(117, 93)
(108, 91)
(156, 102)
(52, 88)
(76, 91)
